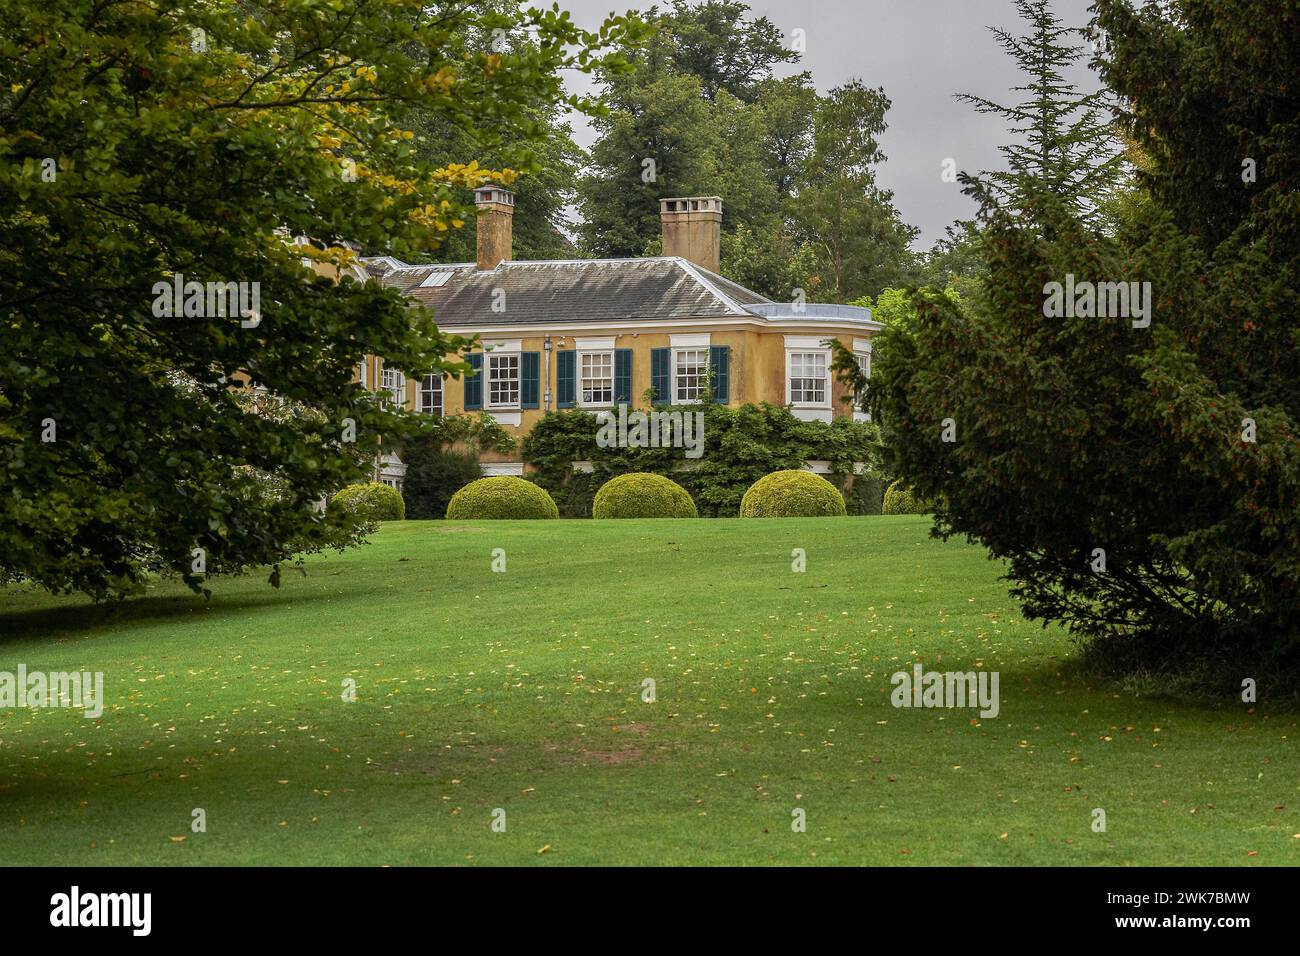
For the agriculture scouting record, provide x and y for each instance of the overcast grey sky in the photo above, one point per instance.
(921, 52)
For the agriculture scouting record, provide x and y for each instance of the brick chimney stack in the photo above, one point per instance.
(692, 229)
(496, 214)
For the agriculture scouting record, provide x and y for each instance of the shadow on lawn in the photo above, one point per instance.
(82, 619)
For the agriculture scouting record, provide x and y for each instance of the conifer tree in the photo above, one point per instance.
(1064, 141)
(1141, 479)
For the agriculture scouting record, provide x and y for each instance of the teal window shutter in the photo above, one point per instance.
(530, 374)
(720, 372)
(622, 376)
(566, 379)
(660, 378)
(474, 382)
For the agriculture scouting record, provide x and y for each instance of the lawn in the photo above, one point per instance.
(522, 691)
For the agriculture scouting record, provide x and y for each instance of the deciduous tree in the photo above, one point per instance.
(245, 143)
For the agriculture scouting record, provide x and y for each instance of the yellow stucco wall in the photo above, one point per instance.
(757, 370)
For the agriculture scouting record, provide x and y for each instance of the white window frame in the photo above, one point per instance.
(702, 377)
(490, 378)
(824, 354)
(680, 345)
(429, 398)
(864, 362)
(583, 401)
(864, 366)
(393, 381)
(391, 471)
(862, 351)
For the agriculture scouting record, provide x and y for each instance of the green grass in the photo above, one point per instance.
(522, 691)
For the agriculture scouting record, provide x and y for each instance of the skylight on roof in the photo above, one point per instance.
(435, 279)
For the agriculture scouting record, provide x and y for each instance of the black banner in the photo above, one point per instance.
(1220, 906)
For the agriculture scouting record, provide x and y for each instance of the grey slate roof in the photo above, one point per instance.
(569, 292)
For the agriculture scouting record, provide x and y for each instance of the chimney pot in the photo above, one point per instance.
(692, 229)
(496, 212)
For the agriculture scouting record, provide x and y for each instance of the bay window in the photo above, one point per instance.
(808, 380)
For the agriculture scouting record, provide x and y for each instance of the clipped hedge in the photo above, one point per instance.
(503, 497)
(792, 494)
(374, 501)
(741, 445)
(643, 495)
(899, 500)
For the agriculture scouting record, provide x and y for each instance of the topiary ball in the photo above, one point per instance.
(373, 500)
(792, 494)
(503, 497)
(900, 500)
(643, 495)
